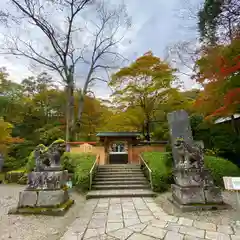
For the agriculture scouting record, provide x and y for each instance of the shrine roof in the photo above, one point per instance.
(118, 134)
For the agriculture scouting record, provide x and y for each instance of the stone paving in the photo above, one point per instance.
(141, 219)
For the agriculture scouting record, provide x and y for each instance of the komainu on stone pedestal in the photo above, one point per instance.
(46, 191)
(194, 188)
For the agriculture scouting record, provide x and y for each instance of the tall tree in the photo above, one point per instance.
(51, 34)
(219, 72)
(219, 21)
(144, 84)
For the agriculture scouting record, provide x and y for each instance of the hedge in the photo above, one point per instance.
(80, 165)
(220, 167)
(161, 165)
(16, 176)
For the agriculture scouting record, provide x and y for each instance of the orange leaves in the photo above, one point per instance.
(219, 72)
(11, 140)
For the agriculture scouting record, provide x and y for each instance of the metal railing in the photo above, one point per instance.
(93, 170)
(142, 162)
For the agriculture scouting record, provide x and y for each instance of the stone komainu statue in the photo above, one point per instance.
(189, 156)
(51, 156)
(46, 159)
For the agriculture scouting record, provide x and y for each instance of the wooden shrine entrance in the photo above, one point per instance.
(118, 146)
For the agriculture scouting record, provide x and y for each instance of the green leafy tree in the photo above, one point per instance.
(144, 84)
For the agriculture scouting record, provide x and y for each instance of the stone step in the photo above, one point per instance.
(126, 178)
(121, 182)
(120, 193)
(116, 170)
(120, 167)
(120, 186)
(119, 175)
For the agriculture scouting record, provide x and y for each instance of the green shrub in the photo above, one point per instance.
(219, 168)
(11, 163)
(20, 152)
(15, 176)
(2, 177)
(161, 165)
(80, 165)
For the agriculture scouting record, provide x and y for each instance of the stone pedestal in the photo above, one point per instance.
(42, 198)
(192, 191)
(194, 188)
(46, 194)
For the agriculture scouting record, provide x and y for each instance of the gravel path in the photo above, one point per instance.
(20, 227)
(229, 216)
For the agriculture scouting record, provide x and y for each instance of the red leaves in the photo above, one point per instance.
(218, 72)
(231, 99)
(227, 70)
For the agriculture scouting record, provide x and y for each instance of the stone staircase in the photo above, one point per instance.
(120, 180)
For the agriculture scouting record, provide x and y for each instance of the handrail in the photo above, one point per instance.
(91, 171)
(149, 170)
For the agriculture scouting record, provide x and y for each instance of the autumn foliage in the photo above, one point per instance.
(219, 73)
(5, 136)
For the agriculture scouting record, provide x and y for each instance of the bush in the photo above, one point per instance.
(161, 165)
(17, 156)
(15, 176)
(21, 151)
(11, 163)
(80, 165)
(219, 168)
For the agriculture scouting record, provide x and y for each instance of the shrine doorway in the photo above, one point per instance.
(118, 152)
(118, 146)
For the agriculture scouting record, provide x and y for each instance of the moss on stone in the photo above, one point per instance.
(21, 170)
(58, 210)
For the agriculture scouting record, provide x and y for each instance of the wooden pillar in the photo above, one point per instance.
(106, 143)
(130, 152)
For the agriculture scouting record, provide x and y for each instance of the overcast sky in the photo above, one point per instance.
(156, 24)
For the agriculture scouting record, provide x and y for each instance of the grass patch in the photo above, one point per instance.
(2, 177)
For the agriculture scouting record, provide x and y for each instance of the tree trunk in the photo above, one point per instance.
(80, 111)
(148, 138)
(67, 118)
(233, 123)
(70, 108)
(81, 99)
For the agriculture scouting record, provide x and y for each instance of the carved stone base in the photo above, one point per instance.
(47, 180)
(188, 195)
(196, 194)
(191, 177)
(42, 201)
(199, 207)
(42, 198)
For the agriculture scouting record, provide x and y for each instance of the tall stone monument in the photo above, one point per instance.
(46, 192)
(194, 188)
